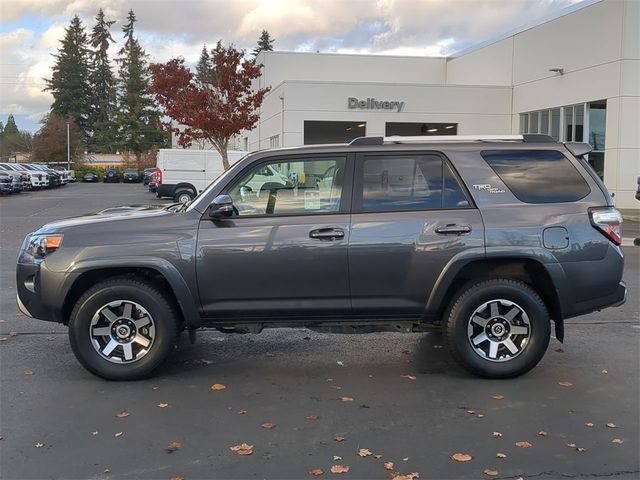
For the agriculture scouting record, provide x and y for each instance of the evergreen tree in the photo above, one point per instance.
(205, 73)
(69, 82)
(11, 128)
(265, 43)
(103, 89)
(138, 118)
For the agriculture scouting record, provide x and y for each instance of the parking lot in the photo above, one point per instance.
(306, 400)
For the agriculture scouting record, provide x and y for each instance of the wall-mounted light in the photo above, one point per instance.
(362, 125)
(449, 127)
(557, 70)
(431, 130)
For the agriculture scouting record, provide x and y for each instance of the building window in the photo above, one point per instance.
(274, 141)
(317, 132)
(597, 120)
(416, 129)
(246, 143)
(563, 124)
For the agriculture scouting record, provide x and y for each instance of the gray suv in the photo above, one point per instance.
(490, 240)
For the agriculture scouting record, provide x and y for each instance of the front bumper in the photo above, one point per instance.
(38, 299)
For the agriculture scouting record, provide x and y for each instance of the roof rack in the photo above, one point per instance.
(528, 138)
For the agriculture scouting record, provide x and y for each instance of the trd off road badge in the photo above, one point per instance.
(486, 187)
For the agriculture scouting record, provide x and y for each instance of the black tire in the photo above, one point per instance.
(156, 303)
(472, 297)
(181, 195)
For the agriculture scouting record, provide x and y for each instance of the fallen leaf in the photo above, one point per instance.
(523, 444)
(496, 434)
(39, 445)
(589, 424)
(50, 339)
(612, 425)
(565, 384)
(501, 455)
(28, 372)
(542, 433)
(242, 449)
(471, 412)
(571, 445)
(406, 476)
(461, 457)
(173, 446)
(377, 456)
(3, 339)
(491, 473)
(497, 397)
(177, 477)
(480, 415)
(124, 414)
(340, 363)
(405, 459)
(312, 418)
(119, 434)
(388, 465)
(242, 412)
(336, 458)
(339, 469)
(106, 470)
(364, 452)
(155, 387)
(268, 425)
(13, 334)
(580, 449)
(605, 371)
(339, 439)
(619, 441)
(163, 405)
(346, 399)
(94, 433)
(316, 472)
(408, 377)
(218, 386)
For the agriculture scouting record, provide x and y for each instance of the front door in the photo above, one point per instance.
(410, 218)
(284, 251)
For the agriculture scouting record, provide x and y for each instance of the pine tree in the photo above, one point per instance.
(103, 89)
(10, 128)
(69, 83)
(265, 43)
(205, 73)
(138, 118)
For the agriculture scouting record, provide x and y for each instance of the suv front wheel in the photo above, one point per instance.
(122, 329)
(498, 328)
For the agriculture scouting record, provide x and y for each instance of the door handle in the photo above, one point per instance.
(326, 233)
(453, 229)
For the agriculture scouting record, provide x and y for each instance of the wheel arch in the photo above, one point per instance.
(529, 270)
(159, 272)
(185, 186)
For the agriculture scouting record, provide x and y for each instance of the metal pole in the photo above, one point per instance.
(68, 149)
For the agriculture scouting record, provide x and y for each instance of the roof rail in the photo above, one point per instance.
(531, 138)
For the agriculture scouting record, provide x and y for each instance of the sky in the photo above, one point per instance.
(31, 30)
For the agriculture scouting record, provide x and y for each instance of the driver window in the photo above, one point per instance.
(297, 187)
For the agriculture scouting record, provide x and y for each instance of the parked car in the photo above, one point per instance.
(111, 175)
(154, 180)
(36, 178)
(487, 239)
(185, 173)
(20, 179)
(90, 177)
(67, 176)
(131, 175)
(6, 181)
(147, 175)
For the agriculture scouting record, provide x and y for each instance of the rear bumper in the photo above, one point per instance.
(166, 190)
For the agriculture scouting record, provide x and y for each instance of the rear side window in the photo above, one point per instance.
(407, 182)
(538, 176)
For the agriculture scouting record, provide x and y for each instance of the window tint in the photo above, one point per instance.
(408, 182)
(296, 187)
(538, 176)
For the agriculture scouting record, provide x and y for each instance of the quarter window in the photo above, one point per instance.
(538, 176)
(408, 182)
(296, 187)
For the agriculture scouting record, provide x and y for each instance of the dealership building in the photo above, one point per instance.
(574, 76)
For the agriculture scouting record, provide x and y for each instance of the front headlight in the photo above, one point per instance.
(36, 247)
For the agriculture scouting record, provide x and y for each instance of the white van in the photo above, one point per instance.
(185, 173)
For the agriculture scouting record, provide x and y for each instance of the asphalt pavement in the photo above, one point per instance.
(393, 398)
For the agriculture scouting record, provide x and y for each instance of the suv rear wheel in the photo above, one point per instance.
(184, 196)
(122, 329)
(498, 328)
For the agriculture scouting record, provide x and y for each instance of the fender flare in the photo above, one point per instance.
(183, 294)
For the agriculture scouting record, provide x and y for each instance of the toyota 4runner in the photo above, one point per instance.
(491, 240)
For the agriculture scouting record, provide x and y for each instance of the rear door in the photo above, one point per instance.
(411, 216)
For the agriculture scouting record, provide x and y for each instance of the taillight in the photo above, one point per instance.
(607, 220)
(158, 176)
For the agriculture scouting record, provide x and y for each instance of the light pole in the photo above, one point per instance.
(68, 149)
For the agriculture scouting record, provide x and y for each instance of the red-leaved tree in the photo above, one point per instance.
(214, 105)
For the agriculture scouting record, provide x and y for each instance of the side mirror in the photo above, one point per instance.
(221, 207)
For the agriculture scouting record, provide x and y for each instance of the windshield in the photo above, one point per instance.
(131, 170)
(198, 202)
